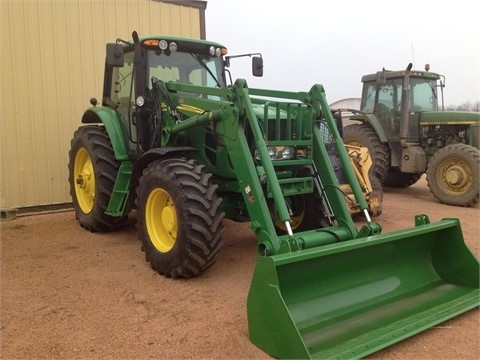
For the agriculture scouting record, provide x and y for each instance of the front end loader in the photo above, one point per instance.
(174, 142)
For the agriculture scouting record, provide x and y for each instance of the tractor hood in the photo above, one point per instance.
(450, 118)
(271, 112)
(259, 110)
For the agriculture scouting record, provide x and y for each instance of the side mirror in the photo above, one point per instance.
(115, 55)
(257, 66)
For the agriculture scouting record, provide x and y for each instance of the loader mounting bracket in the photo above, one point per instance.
(369, 229)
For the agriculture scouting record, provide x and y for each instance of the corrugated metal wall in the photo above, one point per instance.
(51, 65)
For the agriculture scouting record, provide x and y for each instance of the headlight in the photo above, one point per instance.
(140, 101)
(286, 153)
(278, 153)
(163, 45)
(215, 51)
(172, 47)
(272, 152)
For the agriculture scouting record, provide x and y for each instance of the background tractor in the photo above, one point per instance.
(174, 142)
(407, 135)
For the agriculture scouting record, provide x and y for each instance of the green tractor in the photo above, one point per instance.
(175, 143)
(407, 134)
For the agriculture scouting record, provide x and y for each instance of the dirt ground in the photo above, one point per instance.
(70, 294)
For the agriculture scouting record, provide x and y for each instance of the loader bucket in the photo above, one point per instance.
(352, 298)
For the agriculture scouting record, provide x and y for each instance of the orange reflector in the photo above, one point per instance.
(151, 42)
(224, 51)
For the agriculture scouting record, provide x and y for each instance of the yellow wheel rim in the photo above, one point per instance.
(296, 218)
(455, 176)
(84, 178)
(161, 220)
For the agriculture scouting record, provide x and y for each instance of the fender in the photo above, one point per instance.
(374, 123)
(152, 155)
(109, 118)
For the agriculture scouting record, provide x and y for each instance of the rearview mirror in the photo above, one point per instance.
(257, 66)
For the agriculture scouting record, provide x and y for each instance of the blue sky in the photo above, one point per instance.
(333, 43)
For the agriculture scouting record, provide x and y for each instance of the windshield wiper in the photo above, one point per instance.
(432, 87)
(195, 56)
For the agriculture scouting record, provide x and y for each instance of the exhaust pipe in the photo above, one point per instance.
(405, 107)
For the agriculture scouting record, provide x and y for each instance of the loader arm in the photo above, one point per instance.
(319, 102)
(257, 179)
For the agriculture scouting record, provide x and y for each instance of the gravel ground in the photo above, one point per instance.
(70, 294)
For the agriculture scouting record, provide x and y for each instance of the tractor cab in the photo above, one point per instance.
(384, 95)
(137, 74)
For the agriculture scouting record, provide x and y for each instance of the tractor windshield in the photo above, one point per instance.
(186, 68)
(423, 94)
(387, 97)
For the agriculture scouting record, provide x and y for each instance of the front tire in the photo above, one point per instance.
(179, 217)
(306, 210)
(453, 175)
(92, 171)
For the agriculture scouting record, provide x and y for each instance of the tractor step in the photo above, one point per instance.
(118, 200)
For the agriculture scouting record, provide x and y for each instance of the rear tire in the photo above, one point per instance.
(179, 217)
(92, 170)
(453, 175)
(364, 135)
